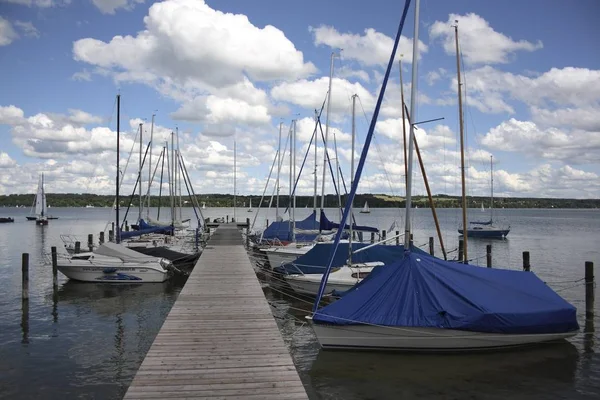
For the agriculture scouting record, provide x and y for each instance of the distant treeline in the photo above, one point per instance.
(226, 200)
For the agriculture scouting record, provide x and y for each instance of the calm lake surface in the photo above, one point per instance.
(88, 341)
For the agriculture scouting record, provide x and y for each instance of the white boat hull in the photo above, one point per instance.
(340, 280)
(370, 337)
(90, 271)
(285, 254)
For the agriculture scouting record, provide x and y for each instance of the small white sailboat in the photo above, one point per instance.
(40, 204)
(365, 209)
(203, 205)
(250, 208)
(482, 207)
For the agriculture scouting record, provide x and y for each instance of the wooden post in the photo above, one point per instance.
(126, 226)
(460, 250)
(77, 247)
(91, 242)
(526, 264)
(383, 235)
(397, 238)
(248, 223)
(111, 236)
(54, 267)
(372, 237)
(267, 223)
(411, 240)
(431, 251)
(101, 237)
(228, 219)
(488, 255)
(25, 276)
(589, 290)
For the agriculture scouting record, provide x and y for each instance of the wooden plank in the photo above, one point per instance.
(220, 340)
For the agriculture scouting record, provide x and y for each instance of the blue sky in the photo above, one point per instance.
(219, 70)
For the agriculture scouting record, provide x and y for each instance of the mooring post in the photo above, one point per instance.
(460, 250)
(267, 223)
(111, 236)
(101, 237)
(411, 240)
(589, 290)
(91, 242)
(397, 238)
(372, 237)
(54, 267)
(126, 226)
(431, 251)
(383, 235)
(228, 219)
(77, 247)
(488, 255)
(25, 276)
(526, 264)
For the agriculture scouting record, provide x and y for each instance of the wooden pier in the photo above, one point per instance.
(220, 339)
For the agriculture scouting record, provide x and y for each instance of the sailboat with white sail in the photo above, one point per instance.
(365, 209)
(40, 204)
(423, 303)
(487, 229)
(250, 208)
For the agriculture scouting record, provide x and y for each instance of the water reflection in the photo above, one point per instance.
(551, 369)
(25, 321)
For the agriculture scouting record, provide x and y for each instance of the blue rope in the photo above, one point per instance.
(361, 162)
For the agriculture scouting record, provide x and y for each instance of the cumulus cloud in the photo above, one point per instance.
(7, 32)
(6, 161)
(371, 49)
(197, 48)
(551, 143)
(479, 42)
(27, 28)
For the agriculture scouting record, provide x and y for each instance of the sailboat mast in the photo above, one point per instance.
(117, 226)
(316, 162)
(293, 146)
(150, 165)
(492, 180)
(337, 176)
(352, 176)
(462, 148)
(179, 173)
(326, 133)
(140, 176)
(278, 169)
(43, 195)
(234, 178)
(413, 101)
(403, 125)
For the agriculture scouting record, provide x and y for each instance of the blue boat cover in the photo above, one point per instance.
(315, 260)
(281, 230)
(145, 228)
(327, 225)
(424, 291)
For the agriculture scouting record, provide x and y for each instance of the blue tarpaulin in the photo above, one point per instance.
(315, 260)
(145, 228)
(327, 225)
(282, 230)
(424, 291)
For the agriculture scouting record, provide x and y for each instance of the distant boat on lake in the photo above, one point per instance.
(365, 209)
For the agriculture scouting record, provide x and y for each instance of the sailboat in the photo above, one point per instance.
(250, 208)
(203, 205)
(422, 303)
(41, 204)
(487, 229)
(365, 209)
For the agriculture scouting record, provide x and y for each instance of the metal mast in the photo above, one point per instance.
(326, 132)
(117, 226)
(462, 148)
(278, 169)
(140, 176)
(413, 101)
(354, 96)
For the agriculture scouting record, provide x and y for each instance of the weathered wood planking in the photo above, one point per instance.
(220, 340)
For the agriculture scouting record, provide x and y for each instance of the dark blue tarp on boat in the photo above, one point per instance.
(281, 230)
(315, 260)
(327, 225)
(145, 228)
(424, 291)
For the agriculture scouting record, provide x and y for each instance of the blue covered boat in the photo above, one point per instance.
(280, 232)
(424, 303)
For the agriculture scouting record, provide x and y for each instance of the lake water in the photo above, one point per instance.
(87, 341)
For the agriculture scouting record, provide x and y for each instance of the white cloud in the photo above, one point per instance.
(433, 76)
(27, 28)
(84, 75)
(372, 48)
(216, 110)
(551, 143)
(587, 118)
(7, 33)
(479, 42)
(347, 72)
(439, 136)
(110, 6)
(11, 115)
(189, 46)
(311, 93)
(6, 161)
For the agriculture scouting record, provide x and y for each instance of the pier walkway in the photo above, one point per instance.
(220, 339)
